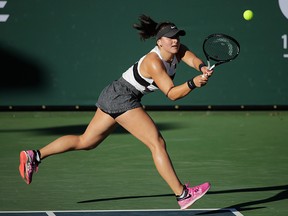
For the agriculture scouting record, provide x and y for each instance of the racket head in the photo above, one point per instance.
(221, 48)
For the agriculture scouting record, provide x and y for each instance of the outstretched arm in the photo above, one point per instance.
(193, 61)
(153, 67)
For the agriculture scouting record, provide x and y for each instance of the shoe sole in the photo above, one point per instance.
(22, 166)
(193, 201)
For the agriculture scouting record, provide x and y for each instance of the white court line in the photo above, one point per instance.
(237, 213)
(285, 55)
(52, 213)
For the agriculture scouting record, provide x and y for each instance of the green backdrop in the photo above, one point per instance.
(63, 52)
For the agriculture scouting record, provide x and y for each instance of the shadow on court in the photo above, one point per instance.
(125, 198)
(246, 206)
(277, 197)
(79, 129)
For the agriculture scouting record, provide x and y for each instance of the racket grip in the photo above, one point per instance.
(208, 63)
(211, 68)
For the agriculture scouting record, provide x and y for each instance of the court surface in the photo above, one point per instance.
(215, 212)
(243, 154)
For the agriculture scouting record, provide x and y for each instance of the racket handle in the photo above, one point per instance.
(211, 68)
(208, 64)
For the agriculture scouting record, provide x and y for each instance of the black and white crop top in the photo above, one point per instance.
(147, 85)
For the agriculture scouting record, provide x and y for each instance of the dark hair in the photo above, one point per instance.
(148, 28)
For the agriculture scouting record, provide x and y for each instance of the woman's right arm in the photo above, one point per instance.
(153, 67)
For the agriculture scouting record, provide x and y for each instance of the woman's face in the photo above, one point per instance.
(170, 44)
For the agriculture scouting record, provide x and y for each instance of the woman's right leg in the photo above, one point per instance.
(98, 129)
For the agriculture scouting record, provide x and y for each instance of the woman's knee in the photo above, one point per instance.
(86, 144)
(157, 144)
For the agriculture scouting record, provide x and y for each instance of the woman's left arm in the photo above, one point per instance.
(192, 60)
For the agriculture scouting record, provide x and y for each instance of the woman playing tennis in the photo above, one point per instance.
(119, 103)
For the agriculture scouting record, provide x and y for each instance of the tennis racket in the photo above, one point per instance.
(220, 48)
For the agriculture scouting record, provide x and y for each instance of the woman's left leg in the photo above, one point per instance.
(139, 124)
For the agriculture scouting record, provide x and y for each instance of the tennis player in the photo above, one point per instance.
(119, 103)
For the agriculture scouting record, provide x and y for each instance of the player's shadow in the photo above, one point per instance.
(125, 198)
(79, 129)
(246, 206)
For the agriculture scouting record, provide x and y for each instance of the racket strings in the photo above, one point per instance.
(221, 48)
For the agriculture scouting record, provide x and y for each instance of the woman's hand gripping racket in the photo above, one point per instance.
(220, 48)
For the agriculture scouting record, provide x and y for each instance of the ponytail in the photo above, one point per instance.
(147, 27)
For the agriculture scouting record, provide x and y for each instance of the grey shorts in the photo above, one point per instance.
(119, 97)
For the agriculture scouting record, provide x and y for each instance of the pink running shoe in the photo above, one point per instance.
(28, 165)
(192, 195)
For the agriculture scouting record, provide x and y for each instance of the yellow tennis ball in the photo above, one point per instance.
(248, 15)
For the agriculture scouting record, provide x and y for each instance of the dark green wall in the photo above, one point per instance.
(63, 52)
